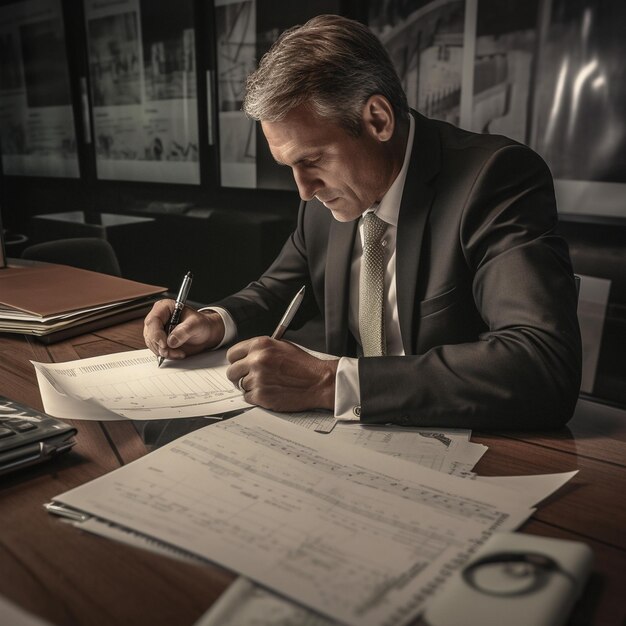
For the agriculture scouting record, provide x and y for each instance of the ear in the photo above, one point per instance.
(379, 120)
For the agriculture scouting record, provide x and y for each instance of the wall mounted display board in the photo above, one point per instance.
(37, 134)
(547, 73)
(580, 104)
(236, 58)
(426, 43)
(142, 65)
(245, 30)
(467, 62)
(504, 53)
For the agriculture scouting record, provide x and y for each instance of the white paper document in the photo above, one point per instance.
(245, 603)
(131, 385)
(319, 421)
(535, 487)
(445, 451)
(361, 537)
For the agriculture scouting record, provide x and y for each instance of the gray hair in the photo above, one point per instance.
(332, 64)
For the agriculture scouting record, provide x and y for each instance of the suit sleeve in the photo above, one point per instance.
(524, 371)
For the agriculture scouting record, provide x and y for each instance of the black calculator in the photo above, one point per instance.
(28, 436)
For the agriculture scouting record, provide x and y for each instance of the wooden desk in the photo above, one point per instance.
(72, 578)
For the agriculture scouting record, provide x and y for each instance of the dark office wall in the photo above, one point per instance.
(24, 197)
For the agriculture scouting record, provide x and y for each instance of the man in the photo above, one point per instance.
(472, 322)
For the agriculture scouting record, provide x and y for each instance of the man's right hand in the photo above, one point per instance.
(194, 333)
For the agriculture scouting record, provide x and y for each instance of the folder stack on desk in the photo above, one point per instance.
(54, 302)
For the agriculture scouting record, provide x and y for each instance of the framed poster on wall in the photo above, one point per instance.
(426, 42)
(548, 73)
(37, 133)
(245, 30)
(236, 57)
(579, 123)
(504, 53)
(142, 67)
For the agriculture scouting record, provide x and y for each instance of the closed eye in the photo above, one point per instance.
(310, 162)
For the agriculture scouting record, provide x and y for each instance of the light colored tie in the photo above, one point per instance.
(372, 287)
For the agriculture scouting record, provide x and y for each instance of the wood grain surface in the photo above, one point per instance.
(70, 577)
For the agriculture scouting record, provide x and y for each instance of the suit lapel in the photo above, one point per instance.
(338, 258)
(414, 209)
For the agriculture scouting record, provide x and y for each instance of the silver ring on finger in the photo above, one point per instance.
(240, 384)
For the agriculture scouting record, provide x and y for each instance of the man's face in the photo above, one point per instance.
(347, 174)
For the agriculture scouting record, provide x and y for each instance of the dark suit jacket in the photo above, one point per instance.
(486, 295)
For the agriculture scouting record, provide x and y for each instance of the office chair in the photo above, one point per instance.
(89, 253)
(607, 261)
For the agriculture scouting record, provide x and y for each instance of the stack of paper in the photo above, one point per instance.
(358, 536)
(344, 532)
(54, 302)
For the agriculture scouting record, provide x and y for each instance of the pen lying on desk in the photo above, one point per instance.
(181, 298)
(292, 309)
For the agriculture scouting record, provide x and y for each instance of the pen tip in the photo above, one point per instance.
(159, 361)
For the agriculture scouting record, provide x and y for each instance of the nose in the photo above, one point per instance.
(306, 181)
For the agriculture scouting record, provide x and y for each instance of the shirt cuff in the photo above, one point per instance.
(230, 328)
(348, 390)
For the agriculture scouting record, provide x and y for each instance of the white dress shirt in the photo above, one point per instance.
(347, 387)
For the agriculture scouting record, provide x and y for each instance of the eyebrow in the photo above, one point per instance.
(304, 157)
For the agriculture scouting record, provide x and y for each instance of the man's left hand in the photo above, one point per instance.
(280, 376)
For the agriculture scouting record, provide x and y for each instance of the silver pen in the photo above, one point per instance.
(181, 298)
(292, 309)
(57, 508)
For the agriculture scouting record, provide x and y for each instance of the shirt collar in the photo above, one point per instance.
(388, 208)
